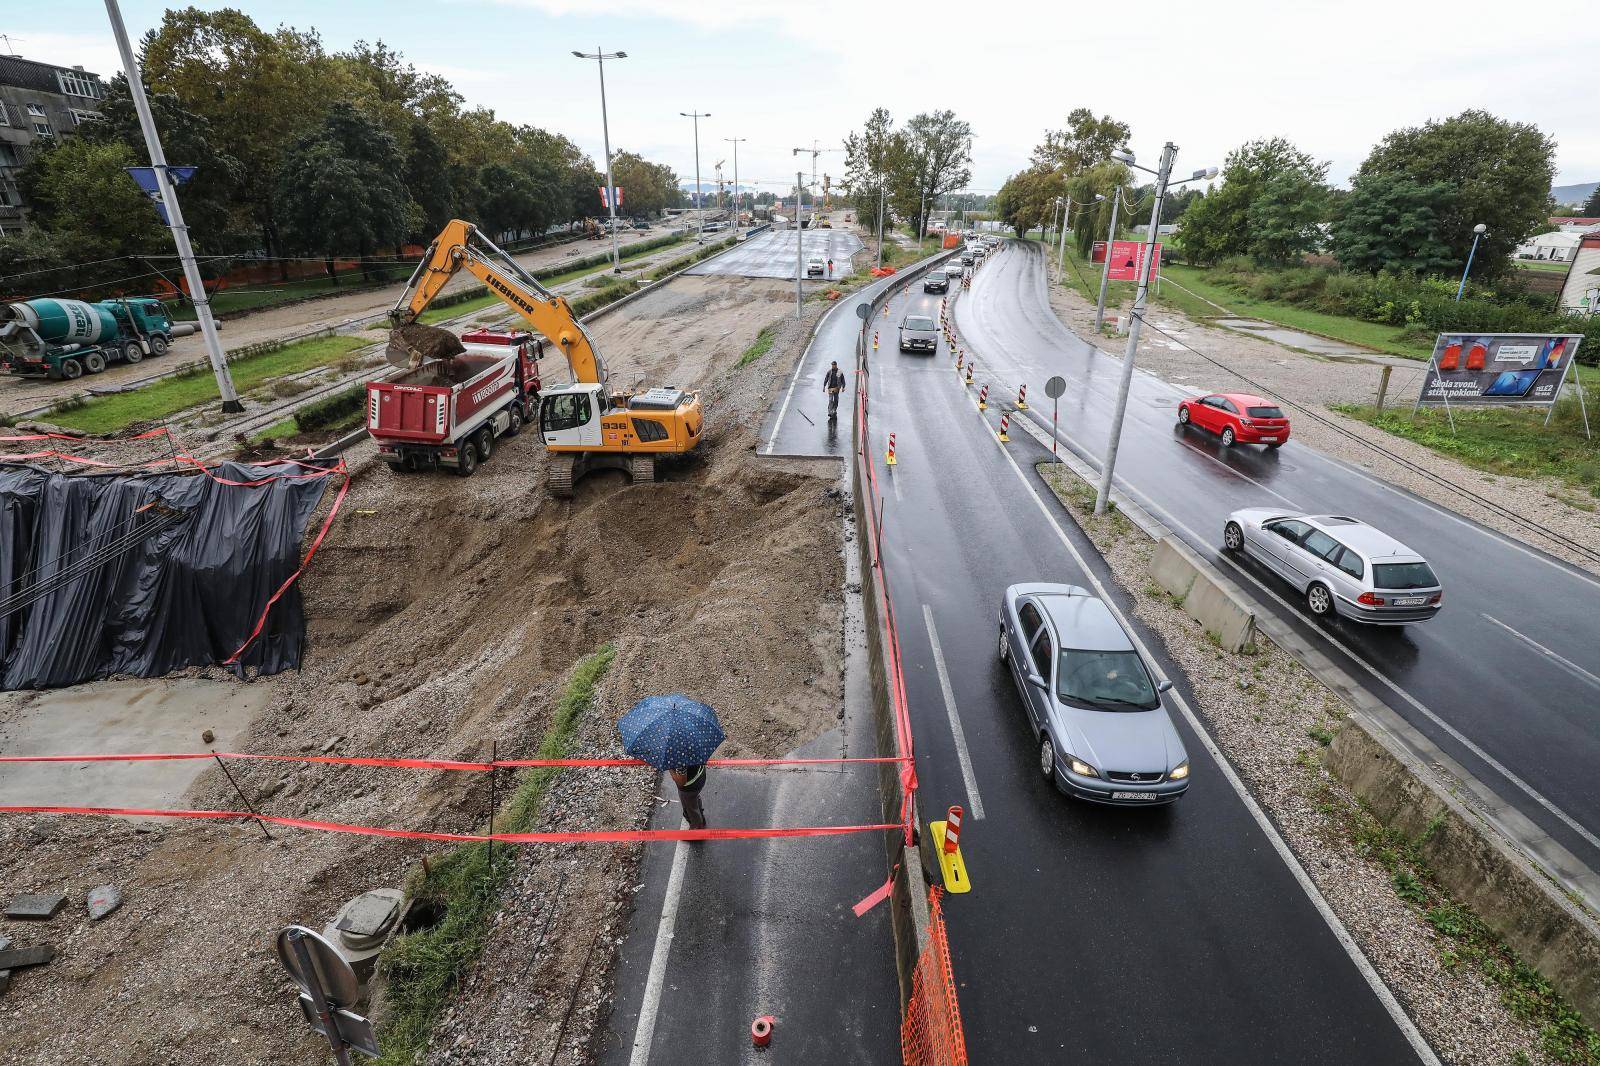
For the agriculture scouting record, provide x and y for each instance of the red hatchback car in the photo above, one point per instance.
(1237, 416)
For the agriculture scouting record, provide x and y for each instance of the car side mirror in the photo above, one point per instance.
(1036, 681)
(1165, 686)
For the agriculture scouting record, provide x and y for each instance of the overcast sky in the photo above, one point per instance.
(1333, 77)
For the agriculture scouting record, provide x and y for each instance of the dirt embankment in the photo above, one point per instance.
(444, 614)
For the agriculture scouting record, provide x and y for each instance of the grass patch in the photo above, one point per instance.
(1503, 440)
(168, 396)
(276, 431)
(424, 968)
(1563, 1034)
(1374, 335)
(439, 312)
(758, 347)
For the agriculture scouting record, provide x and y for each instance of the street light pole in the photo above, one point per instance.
(1061, 239)
(1477, 233)
(1105, 264)
(1125, 381)
(699, 203)
(737, 210)
(600, 57)
(880, 224)
(799, 244)
(180, 232)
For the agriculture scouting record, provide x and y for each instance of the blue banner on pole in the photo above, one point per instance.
(145, 178)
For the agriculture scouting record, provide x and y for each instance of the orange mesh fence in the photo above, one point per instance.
(931, 1033)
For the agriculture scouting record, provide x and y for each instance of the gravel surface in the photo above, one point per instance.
(1317, 381)
(444, 614)
(1261, 709)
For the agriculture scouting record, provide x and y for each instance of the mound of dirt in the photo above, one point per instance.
(415, 344)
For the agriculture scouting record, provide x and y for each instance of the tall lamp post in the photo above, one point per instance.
(600, 57)
(1477, 234)
(180, 232)
(1066, 226)
(700, 207)
(1125, 381)
(1105, 264)
(737, 210)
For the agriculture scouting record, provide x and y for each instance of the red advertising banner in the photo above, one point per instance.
(1098, 255)
(1127, 257)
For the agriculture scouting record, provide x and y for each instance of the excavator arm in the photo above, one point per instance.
(461, 246)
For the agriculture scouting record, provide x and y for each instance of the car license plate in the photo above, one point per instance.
(1133, 795)
(1269, 440)
(1410, 601)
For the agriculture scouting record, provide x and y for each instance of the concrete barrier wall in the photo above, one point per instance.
(1547, 930)
(1188, 578)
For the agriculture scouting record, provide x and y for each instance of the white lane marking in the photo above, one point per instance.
(1561, 660)
(1401, 1020)
(895, 481)
(644, 1033)
(962, 755)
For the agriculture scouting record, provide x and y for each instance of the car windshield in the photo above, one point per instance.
(936, 275)
(1265, 412)
(1109, 680)
(1403, 576)
(919, 323)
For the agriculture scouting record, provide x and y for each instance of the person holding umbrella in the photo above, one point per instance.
(676, 734)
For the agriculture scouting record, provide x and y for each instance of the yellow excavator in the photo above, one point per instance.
(584, 426)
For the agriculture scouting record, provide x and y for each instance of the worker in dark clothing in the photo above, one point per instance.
(690, 780)
(833, 385)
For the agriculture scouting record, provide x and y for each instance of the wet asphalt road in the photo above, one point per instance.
(771, 254)
(1506, 679)
(1091, 934)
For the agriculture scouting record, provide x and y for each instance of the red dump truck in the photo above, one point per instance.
(449, 412)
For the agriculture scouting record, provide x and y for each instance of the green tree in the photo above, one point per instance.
(931, 156)
(1591, 207)
(1284, 218)
(429, 181)
(340, 191)
(83, 196)
(1091, 218)
(1219, 224)
(1391, 222)
(1499, 173)
(647, 188)
(868, 155)
(1085, 142)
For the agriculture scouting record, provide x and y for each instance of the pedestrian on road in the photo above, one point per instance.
(833, 385)
(830, 267)
(690, 780)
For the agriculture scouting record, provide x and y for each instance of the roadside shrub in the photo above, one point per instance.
(331, 410)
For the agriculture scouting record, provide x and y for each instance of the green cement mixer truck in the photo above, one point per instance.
(65, 339)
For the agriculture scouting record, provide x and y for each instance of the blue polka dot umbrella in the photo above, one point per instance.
(670, 732)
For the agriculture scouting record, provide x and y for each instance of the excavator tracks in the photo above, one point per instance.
(559, 478)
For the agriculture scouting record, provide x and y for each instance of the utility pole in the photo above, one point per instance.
(799, 245)
(600, 58)
(1125, 381)
(717, 166)
(1066, 223)
(180, 232)
(1105, 264)
(699, 204)
(880, 223)
(1477, 235)
(737, 203)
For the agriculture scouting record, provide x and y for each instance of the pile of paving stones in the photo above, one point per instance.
(44, 907)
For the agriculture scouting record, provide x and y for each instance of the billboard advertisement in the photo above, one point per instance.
(1498, 368)
(1126, 259)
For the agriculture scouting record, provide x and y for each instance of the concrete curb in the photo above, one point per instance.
(1182, 573)
(1465, 830)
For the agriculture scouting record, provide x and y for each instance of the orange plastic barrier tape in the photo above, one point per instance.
(601, 836)
(422, 764)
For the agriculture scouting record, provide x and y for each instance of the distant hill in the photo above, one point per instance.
(1574, 194)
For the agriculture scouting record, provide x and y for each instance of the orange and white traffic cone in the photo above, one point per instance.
(1005, 424)
(1022, 397)
(983, 398)
(960, 356)
(969, 375)
(891, 460)
(952, 830)
(874, 340)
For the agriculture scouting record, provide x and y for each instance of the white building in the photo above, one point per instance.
(1581, 291)
(1557, 246)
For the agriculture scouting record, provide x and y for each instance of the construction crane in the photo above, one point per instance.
(585, 427)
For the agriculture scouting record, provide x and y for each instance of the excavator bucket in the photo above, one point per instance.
(412, 345)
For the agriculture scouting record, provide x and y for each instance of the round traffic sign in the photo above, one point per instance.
(339, 983)
(1055, 387)
(863, 311)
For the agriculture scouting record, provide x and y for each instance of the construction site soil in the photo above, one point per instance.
(444, 615)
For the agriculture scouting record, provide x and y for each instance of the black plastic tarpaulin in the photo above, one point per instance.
(142, 575)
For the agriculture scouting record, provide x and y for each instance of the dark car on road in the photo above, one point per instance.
(1099, 716)
(936, 281)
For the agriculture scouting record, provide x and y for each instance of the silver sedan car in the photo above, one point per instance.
(1343, 566)
(1104, 734)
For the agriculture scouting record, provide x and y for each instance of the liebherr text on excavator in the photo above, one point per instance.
(584, 426)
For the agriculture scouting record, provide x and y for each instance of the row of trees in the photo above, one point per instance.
(909, 167)
(304, 152)
(1411, 207)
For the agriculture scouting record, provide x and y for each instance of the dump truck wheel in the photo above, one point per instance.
(94, 362)
(466, 459)
(485, 444)
(131, 352)
(559, 478)
(71, 369)
(514, 426)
